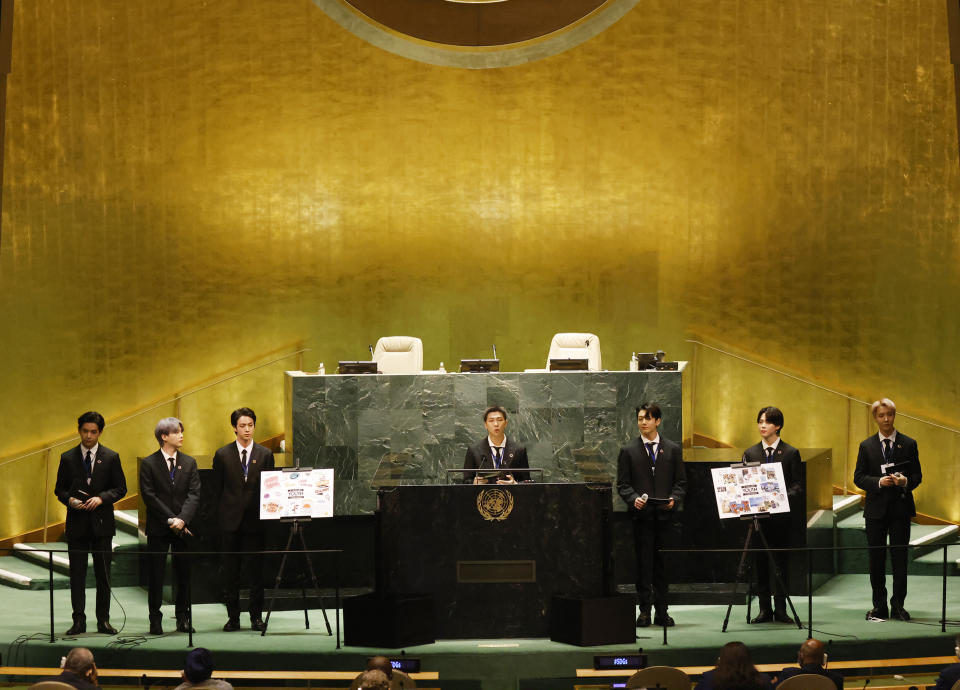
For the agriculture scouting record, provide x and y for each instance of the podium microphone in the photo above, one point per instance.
(370, 347)
(494, 350)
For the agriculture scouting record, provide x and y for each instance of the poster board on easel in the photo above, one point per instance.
(301, 493)
(747, 490)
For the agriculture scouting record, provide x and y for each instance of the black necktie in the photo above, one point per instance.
(88, 465)
(172, 465)
(770, 454)
(651, 453)
(243, 462)
(497, 457)
(886, 449)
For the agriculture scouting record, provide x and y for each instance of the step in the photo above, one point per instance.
(21, 574)
(36, 552)
(127, 521)
(851, 531)
(845, 506)
(932, 563)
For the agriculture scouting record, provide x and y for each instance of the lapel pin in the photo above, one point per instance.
(99, 461)
(510, 456)
(254, 462)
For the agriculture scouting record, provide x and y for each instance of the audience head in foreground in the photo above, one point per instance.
(374, 680)
(734, 671)
(197, 670)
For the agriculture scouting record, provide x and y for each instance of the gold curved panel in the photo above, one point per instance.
(188, 185)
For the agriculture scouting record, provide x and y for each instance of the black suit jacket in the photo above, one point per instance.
(888, 499)
(106, 481)
(238, 498)
(948, 676)
(479, 457)
(636, 476)
(789, 459)
(815, 669)
(165, 500)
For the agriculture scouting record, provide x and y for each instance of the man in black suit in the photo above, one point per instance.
(89, 481)
(170, 487)
(888, 469)
(812, 659)
(776, 528)
(652, 481)
(496, 452)
(236, 485)
(951, 674)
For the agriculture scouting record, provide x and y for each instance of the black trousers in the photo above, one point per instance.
(649, 536)
(77, 551)
(776, 529)
(897, 529)
(246, 567)
(157, 547)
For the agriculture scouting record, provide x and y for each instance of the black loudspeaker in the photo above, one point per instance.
(389, 621)
(593, 622)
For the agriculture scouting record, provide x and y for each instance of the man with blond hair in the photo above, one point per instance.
(888, 470)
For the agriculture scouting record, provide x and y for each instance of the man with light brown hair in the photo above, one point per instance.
(888, 470)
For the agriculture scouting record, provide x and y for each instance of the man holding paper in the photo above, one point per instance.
(652, 482)
(888, 469)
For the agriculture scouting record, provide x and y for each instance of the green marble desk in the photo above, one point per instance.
(379, 430)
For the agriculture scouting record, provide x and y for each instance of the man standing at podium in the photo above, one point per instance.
(776, 528)
(888, 469)
(236, 483)
(496, 452)
(652, 481)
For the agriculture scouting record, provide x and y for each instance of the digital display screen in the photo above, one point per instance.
(406, 665)
(626, 661)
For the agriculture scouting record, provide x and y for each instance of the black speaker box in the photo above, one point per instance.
(389, 621)
(593, 622)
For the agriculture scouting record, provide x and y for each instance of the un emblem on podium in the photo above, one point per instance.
(495, 504)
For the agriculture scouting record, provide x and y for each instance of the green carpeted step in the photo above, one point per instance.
(845, 506)
(22, 574)
(126, 521)
(37, 552)
(932, 563)
(851, 531)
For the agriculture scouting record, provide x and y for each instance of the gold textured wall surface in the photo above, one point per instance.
(188, 185)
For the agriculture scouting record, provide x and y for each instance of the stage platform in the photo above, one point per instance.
(501, 664)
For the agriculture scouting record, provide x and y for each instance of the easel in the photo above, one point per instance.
(296, 528)
(741, 568)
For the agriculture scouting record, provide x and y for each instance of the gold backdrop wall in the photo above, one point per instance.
(189, 185)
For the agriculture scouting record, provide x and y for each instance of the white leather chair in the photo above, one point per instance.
(576, 346)
(399, 354)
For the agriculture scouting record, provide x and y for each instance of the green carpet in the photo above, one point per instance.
(839, 608)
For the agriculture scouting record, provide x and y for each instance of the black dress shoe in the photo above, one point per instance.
(762, 617)
(257, 624)
(643, 620)
(782, 617)
(183, 626)
(232, 625)
(900, 614)
(156, 628)
(663, 620)
(78, 628)
(877, 614)
(105, 628)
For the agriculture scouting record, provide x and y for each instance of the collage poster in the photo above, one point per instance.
(750, 490)
(296, 494)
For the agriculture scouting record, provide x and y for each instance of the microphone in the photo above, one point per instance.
(865, 683)
(644, 498)
(494, 350)
(370, 347)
